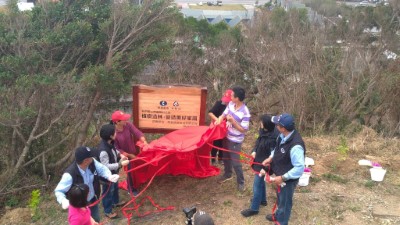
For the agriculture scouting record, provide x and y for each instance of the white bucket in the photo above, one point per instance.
(377, 173)
(304, 179)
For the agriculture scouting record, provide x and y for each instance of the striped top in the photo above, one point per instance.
(242, 116)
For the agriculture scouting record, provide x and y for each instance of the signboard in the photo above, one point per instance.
(161, 109)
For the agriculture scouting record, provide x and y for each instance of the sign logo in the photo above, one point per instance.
(176, 104)
(163, 103)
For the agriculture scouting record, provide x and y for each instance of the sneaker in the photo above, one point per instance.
(222, 179)
(264, 203)
(119, 204)
(241, 187)
(269, 217)
(111, 215)
(248, 212)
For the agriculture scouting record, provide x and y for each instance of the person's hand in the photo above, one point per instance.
(113, 178)
(278, 180)
(253, 154)
(65, 204)
(123, 157)
(267, 161)
(230, 118)
(124, 162)
(262, 173)
(217, 122)
(131, 156)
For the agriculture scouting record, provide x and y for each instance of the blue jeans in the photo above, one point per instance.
(231, 159)
(285, 202)
(111, 198)
(94, 210)
(259, 192)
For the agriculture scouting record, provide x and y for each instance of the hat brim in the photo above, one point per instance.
(125, 117)
(225, 99)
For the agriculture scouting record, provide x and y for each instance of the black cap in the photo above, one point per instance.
(82, 153)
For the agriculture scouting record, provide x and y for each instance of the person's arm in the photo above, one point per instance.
(212, 116)
(213, 111)
(243, 125)
(223, 116)
(102, 170)
(137, 134)
(92, 221)
(62, 187)
(105, 160)
(269, 159)
(297, 158)
(143, 139)
(235, 124)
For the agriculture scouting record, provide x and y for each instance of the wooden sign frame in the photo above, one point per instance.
(165, 108)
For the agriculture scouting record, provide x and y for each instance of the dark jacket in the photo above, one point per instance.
(110, 150)
(77, 178)
(265, 143)
(281, 162)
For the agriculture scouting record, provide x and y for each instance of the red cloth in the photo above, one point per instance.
(179, 149)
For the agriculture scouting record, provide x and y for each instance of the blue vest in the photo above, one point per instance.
(281, 162)
(77, 178)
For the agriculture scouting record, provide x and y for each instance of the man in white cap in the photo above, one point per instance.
(85, 170)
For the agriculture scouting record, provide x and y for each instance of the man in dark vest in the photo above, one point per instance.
(287, 163)
(85, 170)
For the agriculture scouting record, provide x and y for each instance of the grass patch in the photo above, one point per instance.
(370, 184)
(334, 177)
(355, 208)
(219, 8)
(228, 203)
(304, 190)
(314, 179)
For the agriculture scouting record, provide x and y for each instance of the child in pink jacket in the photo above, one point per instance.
(79, 212)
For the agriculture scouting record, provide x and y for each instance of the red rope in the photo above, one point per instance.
(267, 176)
(136, 206)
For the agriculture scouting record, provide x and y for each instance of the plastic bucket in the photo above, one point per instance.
(377, 173)
(304, 179)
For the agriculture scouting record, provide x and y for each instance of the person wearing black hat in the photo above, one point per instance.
(85, 170)
(265, 143)
(287, 163)
(110, 157)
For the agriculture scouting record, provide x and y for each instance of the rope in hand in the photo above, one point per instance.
(250, 162)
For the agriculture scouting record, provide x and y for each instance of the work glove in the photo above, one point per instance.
(113, 178)
(123, 162)
(65, 204)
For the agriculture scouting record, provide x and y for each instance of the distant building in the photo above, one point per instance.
(230, 17)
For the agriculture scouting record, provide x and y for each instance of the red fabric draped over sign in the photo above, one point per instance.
(181, 150)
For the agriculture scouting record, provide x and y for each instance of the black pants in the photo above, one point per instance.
(214, 151)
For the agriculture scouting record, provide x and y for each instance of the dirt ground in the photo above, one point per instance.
(340, 191)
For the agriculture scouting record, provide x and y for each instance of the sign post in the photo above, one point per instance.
(162, 109)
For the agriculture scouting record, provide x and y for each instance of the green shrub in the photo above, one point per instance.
(34, 202)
